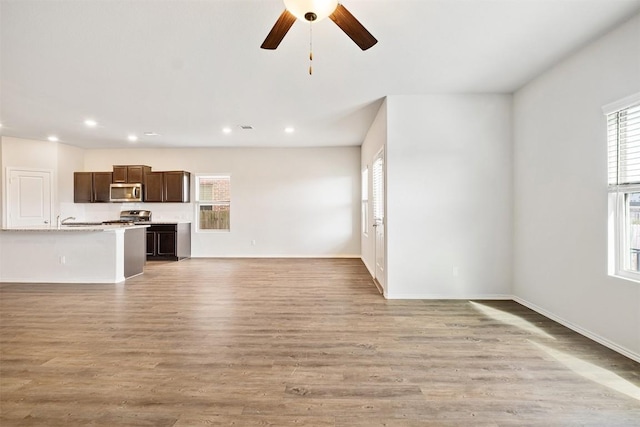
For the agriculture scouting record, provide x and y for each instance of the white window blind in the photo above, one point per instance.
(378, 189)
(364, 190)
(623, 138)
(364, 211)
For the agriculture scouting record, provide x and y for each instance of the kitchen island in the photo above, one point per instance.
(72, 254)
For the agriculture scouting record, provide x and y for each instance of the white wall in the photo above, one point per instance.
(31, 154)
(291, 201)
(374, 141)
(27, 153)
(70, 159)
(561, 191)
(449, 196)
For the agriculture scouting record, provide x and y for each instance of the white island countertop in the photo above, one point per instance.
(74, 227)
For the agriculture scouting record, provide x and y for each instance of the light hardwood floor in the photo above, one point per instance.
(257, 342)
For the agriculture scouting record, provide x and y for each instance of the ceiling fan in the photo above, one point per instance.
(315, 10)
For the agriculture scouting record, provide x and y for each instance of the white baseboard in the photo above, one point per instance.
(368, 267)
(451, 296)
(80, 280)
(592, 336)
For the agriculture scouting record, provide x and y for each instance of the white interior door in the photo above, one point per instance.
(378, 217)
(29, 201)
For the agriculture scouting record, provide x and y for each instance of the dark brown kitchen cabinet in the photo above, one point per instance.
(177, 186)
(170, 186)
(91, 187)
(154, 187)
(130, 174)
(168, 241)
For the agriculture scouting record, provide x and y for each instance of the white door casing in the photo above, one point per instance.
(29, 197)
(379, 218)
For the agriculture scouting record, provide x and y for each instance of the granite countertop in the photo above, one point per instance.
(76, 227)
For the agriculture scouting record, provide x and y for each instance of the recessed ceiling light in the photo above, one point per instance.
(90, 123)
(289, 129)
(151, 134)
(132, 138)
(226, 130)
(53, 138)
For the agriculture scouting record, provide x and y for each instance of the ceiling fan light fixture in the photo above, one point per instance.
(311, 10)
(316, 10)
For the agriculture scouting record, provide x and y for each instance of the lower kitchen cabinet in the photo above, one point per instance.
(169, 241)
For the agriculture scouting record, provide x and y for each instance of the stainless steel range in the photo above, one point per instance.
(132, 217)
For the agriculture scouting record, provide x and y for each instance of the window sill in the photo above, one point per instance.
(631, 277)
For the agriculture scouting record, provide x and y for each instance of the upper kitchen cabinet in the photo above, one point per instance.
(171, 187)
(130, 174)
(91, 187)
(177, 186)
(154, 187)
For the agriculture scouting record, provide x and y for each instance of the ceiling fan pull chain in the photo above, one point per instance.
(310, 49)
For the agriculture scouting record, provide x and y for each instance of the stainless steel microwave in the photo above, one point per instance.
(125, 193)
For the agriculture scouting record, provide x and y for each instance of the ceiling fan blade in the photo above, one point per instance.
(279, 30)
(352, 27)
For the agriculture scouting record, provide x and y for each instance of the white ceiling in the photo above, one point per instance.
(186, 69)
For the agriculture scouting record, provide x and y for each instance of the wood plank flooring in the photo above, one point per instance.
(304, 342)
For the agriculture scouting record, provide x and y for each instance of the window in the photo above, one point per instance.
(623, 140)
(365, 201)
(213, 202)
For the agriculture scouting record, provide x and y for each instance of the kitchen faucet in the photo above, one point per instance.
(64, 220)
